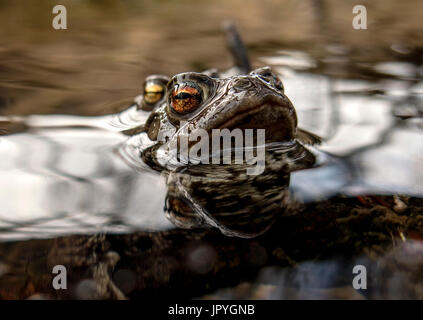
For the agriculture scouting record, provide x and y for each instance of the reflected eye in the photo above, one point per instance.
(153, 92)
(185, 98)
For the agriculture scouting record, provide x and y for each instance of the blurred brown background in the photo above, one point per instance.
(98, 64)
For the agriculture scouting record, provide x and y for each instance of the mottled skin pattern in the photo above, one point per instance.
(224, 196)
(236, 102)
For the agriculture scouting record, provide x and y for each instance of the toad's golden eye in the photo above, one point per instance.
(185, 98)
(153, 92)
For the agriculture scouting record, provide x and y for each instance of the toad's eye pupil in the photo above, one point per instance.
(185, 98)
(182, 95)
